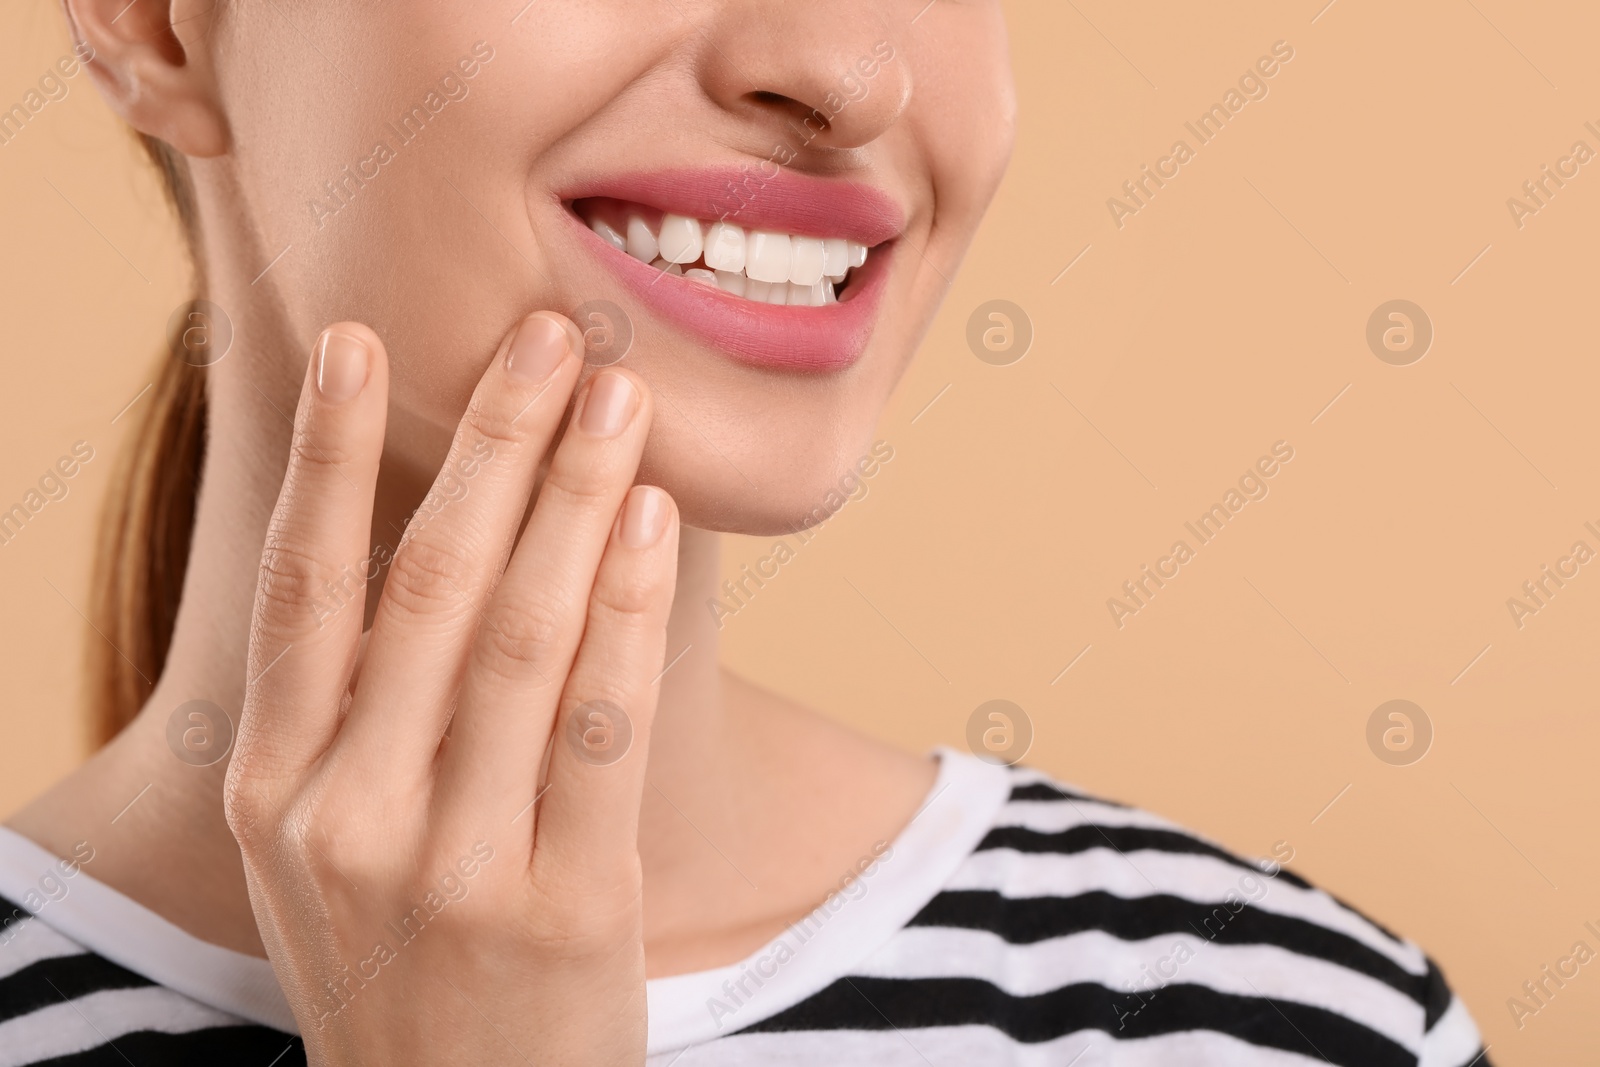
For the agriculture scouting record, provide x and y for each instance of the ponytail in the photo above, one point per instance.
(143, 548)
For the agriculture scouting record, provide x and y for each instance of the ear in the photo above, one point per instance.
(160, 85)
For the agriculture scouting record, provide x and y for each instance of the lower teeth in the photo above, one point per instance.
(738, 284)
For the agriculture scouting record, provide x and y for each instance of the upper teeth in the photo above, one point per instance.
(775, 268)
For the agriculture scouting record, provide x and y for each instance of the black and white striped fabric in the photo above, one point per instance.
(1087, 933)
(63, 1005)
(1064, 931)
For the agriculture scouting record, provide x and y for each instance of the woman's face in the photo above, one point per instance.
(439, 170)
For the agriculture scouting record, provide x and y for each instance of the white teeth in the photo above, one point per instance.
(725, 247)
(641, 242)
(805, 262)
(835, 257)
(767, 255)
(680, 239)
(807, 295)
(609, 235)
(758, 265)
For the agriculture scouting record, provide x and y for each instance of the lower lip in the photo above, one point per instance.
(818, 339)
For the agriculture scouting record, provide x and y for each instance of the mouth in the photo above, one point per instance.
(784, 270)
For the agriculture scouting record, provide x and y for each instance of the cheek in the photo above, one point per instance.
(375, 197)
(963, 108)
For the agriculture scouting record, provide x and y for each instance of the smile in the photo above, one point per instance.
(783, 271)
(759, 265)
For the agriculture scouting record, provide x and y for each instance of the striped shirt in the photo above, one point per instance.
(1014, 921)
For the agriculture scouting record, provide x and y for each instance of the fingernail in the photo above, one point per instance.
(609, 405)
(644, 516)
(537, 349)
(341, 366)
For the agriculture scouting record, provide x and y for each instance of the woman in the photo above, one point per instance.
(449, 641)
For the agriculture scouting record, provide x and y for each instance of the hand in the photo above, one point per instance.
(418, 906)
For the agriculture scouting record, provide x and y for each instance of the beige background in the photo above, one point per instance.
(1222, 317)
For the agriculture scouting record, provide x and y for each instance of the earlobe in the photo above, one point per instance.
(159, 84)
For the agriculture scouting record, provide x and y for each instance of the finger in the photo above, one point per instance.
(456, 545)
(536, 618)
(588, 819)
(311, 590)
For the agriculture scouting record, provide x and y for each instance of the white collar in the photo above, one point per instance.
(131, 935)
(684, 1010)
(691, 1009)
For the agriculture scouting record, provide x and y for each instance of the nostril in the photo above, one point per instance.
(764, 98)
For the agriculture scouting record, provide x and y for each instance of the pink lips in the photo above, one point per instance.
(816, 339)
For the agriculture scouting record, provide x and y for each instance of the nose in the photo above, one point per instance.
(816, 72)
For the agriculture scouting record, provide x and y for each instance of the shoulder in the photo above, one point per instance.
(1078, 917)
(62, 1004)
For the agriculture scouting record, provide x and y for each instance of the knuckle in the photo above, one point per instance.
(248, 809)
(520, 635)
(315, 828)
(577, 485)
(292, 582)
(496, 425)
(612, 685)
(314, 453)
(426, 576)
(631, 598)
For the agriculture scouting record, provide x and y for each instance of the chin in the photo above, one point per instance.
(791, 483)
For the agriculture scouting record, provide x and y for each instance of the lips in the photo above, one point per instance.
(776, 269)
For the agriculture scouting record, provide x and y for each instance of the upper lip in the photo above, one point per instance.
(758, 197)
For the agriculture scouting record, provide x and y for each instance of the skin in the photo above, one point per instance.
(433, 265)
